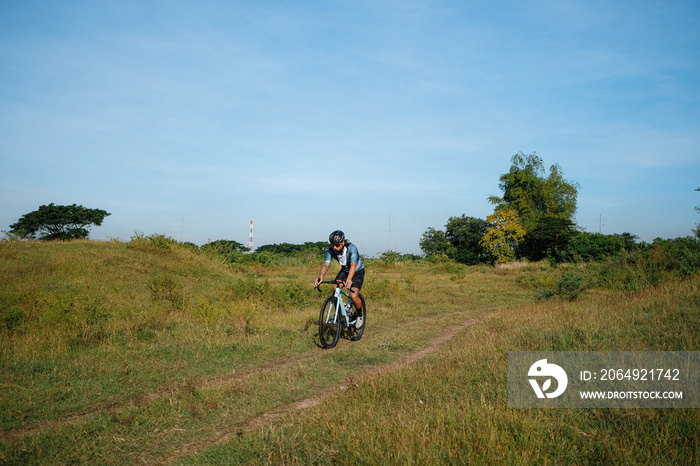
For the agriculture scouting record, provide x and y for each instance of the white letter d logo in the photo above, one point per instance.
(542, 369)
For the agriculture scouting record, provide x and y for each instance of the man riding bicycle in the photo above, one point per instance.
(352, 271)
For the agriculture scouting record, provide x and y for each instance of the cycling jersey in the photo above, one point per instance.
(348, 255)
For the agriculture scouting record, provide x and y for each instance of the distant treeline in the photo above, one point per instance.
(613, 261)
(234, 252)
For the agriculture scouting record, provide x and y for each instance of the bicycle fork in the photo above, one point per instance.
(340, 312)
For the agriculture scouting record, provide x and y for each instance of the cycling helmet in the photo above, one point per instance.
(336, 237)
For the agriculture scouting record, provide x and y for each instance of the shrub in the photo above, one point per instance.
(226, 250)
(165, 289)
(640, 269)
(11, 318)
(588, 247)
(158, 243)
(569, 286)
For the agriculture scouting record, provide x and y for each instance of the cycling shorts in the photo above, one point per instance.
(357, 279)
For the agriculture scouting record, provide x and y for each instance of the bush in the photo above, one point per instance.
(165, 289)
(663, 260)
(589, 247)
(569, 286)
(154, 242)
(226, 250)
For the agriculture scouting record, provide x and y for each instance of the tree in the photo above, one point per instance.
(52, 222)
(584, 246)
(548, 238)
(223, 247)
(502, 235)
(288, 249)
(464, 234)
(533, 196)
(434, 242)
(545, 206)
(459, 241)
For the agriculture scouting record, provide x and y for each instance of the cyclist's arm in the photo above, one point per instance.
(322, 273)
(354, 263)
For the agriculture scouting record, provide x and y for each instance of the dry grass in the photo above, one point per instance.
(134, 353)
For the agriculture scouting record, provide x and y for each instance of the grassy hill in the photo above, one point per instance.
(150, 352)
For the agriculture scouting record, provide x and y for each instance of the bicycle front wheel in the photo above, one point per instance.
(330, 323)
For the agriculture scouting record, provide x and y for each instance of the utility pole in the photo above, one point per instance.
(389, 232)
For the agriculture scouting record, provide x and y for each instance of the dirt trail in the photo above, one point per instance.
(233, 378)
(272, 416)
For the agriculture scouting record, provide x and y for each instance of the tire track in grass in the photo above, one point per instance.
(270, 417)
(235, 377)
(140, 400)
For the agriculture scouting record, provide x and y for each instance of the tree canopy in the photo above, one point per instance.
(435, 243)
(544, 206)
(549, 237)
(318, 247)
(464, 233)
(459, 241)
(225, 248)
(502, 235)
(53, 222)
(533, 196)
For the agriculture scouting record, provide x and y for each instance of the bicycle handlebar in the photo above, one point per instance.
(330, 282)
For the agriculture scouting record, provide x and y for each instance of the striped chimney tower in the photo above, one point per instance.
(250, 242)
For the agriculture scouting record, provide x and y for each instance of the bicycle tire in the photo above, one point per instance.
(356, 333)
(329, 333)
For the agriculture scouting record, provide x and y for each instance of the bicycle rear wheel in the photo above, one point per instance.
(354, 332)
(330, 323)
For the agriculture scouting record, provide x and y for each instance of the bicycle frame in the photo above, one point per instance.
(339, 304)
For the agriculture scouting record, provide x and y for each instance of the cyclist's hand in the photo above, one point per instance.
(317, 282)
(348, 284)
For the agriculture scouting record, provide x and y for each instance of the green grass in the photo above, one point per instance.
(451, 407)
(129, 352)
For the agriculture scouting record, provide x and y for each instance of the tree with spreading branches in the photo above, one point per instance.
(57, 222)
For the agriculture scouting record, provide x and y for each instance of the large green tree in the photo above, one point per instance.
(52, 222)
(545, 205)
(464, 233)
(459, 241)
(435, 243)
(548, 238)
(533, 195)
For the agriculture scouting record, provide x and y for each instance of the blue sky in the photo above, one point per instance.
(381, 118)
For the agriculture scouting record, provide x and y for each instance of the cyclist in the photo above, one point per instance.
(352, 271)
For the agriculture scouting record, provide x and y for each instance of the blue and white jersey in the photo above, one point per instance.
(348, 255)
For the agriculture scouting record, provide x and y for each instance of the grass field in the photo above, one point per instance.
(121, 353)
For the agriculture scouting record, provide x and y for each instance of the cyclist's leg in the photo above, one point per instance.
(357, 281)
(342, 276)
(360, 321)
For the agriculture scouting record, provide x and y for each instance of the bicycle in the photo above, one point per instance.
(337, 315)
